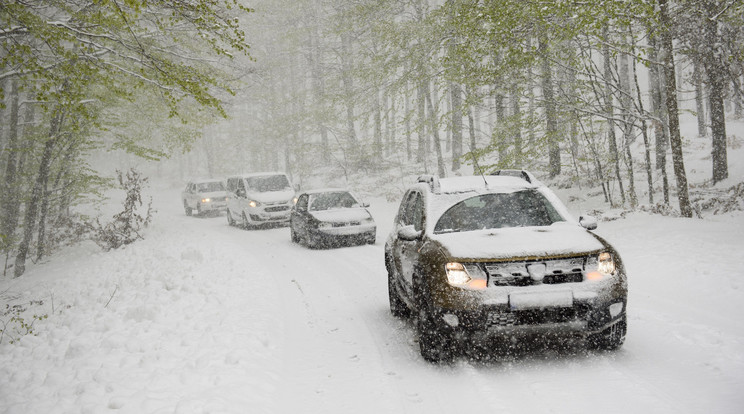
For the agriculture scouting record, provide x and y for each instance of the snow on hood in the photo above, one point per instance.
(342, 215)
(558, 239)
(272, 196)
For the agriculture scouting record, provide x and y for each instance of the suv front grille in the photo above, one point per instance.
(568, 270)
(537, 316)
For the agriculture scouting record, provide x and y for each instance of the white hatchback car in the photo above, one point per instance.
(204, 196)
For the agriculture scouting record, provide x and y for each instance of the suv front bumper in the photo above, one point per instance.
(580, 319)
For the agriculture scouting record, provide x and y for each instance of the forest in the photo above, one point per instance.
(581, 92)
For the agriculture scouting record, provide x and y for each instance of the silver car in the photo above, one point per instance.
(204, 196)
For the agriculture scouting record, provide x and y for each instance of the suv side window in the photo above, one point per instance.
(412, 211)
(402, 209)
(418, 212)
(231, 185)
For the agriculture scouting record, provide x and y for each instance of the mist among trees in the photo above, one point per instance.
(583, 92)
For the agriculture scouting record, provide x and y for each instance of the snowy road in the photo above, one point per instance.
(205, 318)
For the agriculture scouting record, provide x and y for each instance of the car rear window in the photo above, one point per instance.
(328, 201)
(493, 211)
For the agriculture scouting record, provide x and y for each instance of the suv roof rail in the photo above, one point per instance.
(515, 173)
(430, 179)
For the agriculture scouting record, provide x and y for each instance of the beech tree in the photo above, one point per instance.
(75, 59)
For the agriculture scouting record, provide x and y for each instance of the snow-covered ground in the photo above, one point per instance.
(204, 318)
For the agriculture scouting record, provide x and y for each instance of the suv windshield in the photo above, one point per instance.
(494, 211)
(327, 201)
(268, 183)
(211, 187)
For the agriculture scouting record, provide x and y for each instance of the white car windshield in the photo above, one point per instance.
(493, 211)
(266, 183)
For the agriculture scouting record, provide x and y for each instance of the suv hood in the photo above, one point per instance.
(557, 240)
(272, 196)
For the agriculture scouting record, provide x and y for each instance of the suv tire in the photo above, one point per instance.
(186, 208)
(435, 344)
(230, 220)
(398, 308)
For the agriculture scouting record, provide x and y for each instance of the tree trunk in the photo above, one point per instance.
(610, 114)
(517, 125)
(377, 114)
(348, 83)
(456, 92)
(714, 69)
(551, 129)
(675, 138)
(422, 150)
(407, 123)
(628, 123)
(316, 56)
(10, 201)
(697, 78)
(644, 129)
(435, 132)
(32, 206)
(661, 123)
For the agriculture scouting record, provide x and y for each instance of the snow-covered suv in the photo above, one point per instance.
(259, 198)
(478, 257)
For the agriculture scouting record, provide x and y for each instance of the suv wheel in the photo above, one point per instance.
(435, 344)
(198, 209)
(230, 220)
(186, 208)
(611, 338)
(398, 308)
(293, 234)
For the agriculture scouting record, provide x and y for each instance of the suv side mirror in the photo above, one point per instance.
(240, 193)
(588, 222)
(409, 233)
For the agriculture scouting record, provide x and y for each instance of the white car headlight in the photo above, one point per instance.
(467, 277)
(206, 200)
(253, 203)
(600, 267)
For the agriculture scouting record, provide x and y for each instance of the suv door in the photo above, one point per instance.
(405, 252)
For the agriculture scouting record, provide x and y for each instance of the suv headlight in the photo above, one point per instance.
(470, 277)
(253, 203)
(206, 200)
(601, 266)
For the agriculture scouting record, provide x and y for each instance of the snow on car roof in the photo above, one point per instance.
(326, 190)
(260, 174)
(207, 180)
(486, 183)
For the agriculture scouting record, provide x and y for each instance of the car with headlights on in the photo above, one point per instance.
(259, 198)
(204, 196)
(331, 217)
(479, 259)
